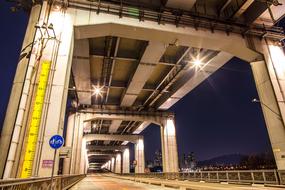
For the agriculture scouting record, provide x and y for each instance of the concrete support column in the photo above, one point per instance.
(126, 161)
(60, 55)
(80, 155)
(118, 167)
(69, 142)
(169, 146)
(269, 77)
(139, 156)
(109, 165)
(75, 143)
(83, 158)
(113, 165)
(16, 114)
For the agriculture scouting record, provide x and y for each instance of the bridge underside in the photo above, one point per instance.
(122, 73)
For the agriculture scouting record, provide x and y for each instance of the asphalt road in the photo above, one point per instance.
(100, 182)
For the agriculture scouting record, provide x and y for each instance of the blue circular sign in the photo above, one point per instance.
(56, 141)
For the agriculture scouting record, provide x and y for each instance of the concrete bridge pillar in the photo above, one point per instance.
(126, 161)
(69, 139)
(118, 165)
(109, 165)
(269, 75)
(31, 127)
(139, 156)
(113, 165)
(169, 146)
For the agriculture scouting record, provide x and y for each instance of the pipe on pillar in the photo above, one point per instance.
(118, 167)
(169, 146)
(139, 156)
(126, 161)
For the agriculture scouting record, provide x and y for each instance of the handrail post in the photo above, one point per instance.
(252, 177)
(227, 174)
(264, 177)
(239, 177)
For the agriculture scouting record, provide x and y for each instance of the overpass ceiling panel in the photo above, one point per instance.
(97, 46)
(114, 126)
(131, 48)
(123, 69)
(181, 4)
(142, 97)
(96, 68)
(173, 53)
(116, 93)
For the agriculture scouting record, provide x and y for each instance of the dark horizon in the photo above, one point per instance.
(216, 118)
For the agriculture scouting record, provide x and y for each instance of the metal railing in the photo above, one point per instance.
(187, 19)
(41, 183)
(272, 177)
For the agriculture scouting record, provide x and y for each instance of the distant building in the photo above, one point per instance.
(188, 162)
(158, 158)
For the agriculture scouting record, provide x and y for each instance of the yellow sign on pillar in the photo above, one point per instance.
(33, 133)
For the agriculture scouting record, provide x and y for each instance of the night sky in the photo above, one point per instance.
(216, 118)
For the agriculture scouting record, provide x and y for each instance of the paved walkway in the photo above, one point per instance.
(99, 182)
(103, 182)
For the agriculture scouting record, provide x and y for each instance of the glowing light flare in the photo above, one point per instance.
(97, 90)
(197, 62)
(278, 59)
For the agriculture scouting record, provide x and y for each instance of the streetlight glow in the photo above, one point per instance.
(97, 90)
(197, 62)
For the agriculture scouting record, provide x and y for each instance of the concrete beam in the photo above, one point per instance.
(154, 117)
(105, 24)
(243, 8)
(104, 148)
(149, 60)
(191, 80)
(106, 137)
(100, 154)
(142, 127)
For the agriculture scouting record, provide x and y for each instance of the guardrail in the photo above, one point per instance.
(272, 177)
(41, 183)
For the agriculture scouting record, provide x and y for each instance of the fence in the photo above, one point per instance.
(248, 176)
(41, 183)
